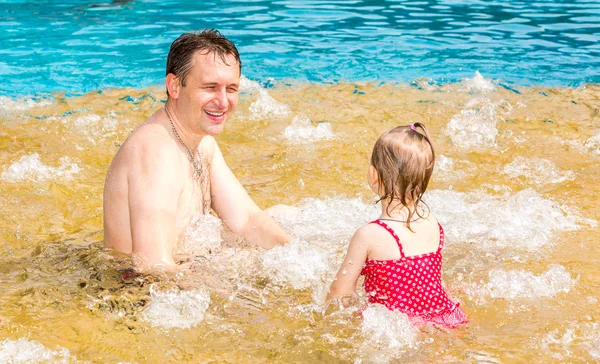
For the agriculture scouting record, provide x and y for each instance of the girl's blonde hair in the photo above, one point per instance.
(404, 158)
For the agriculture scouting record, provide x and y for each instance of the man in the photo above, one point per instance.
(171, 167)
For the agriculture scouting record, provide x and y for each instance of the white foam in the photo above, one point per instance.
(202, 235)
(388, 329)
(523, 284)
(593, 144)
(475, 126)
(557, 343)
(537, 170)
(524, 220)
(328, 219)
(31, 168)
(298, 263)
(328, 225)
(249, 86)
(592, 339)
(8, 104)
(175, 308)
(448, 169)
(302, 131)
(266, 106)
(30, 351)
(478, 83)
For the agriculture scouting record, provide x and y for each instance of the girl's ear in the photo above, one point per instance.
(373, 179)
(173, 85)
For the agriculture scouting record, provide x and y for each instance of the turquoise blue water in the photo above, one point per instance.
(79, 46)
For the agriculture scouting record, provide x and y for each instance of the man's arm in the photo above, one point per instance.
(233, 205)
(153, 194)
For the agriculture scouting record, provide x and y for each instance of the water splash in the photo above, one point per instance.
(297, 263)
(30, 351)
(478, 83)
(249, 86)
(202, 235)
(31, 168)
(329, 219)
(448, 169)
(523, 284)
(92, 126)
(538, 170)
(524, 220)
(8, 104)
(266, 107)
(302, 131)
(475, 126)
(175, 308)
(388, 329)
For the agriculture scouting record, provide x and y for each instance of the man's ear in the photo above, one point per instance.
(173, 85)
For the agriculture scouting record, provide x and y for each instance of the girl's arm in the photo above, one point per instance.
(345, 280)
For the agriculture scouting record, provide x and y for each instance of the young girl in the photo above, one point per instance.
(400, 253)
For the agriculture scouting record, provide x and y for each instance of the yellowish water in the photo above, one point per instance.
(60, 288)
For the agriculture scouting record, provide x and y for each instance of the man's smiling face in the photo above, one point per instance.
(210, 94)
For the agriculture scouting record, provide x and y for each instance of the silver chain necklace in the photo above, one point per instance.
(192, 160)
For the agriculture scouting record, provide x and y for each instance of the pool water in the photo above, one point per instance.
(513, 112)
(78, 46)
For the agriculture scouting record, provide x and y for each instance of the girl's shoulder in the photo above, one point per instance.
(371, 232)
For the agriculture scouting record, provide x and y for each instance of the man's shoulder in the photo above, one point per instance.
(149, 147)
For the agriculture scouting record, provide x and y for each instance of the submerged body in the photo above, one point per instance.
(403, 276)
(171, 168)
(151, 149)
(412, 284)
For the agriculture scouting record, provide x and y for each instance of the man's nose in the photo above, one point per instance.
(222, 99)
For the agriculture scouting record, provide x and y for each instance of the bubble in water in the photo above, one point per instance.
(523, 284)
(30, 351)
(266, 106)
(175, 308)
(302, 131)
(475, 126)
(31, 168)
(538, 170)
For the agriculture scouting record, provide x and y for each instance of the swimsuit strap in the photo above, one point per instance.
(441, 238)
(389, 230)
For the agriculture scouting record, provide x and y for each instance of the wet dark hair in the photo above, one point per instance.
(404, 158)
(181, 54)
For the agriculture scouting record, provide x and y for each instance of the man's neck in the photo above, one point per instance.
(182, 130)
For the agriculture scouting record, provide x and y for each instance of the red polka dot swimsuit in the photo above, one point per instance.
(412, 285)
